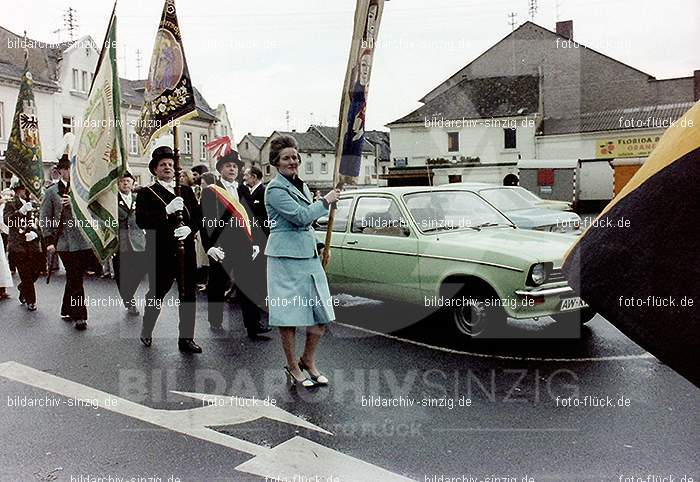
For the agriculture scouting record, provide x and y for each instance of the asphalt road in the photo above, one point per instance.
(488, 411)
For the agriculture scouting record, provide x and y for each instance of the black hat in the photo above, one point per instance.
(230, 157)
(63, 162)
(160, 153)
(127, 174)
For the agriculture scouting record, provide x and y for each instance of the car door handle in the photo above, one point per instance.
(351, 242)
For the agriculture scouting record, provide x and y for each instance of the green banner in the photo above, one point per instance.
(99, 157)
(23, 156)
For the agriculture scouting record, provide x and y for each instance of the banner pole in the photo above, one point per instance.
(337, 183)
(180, 220)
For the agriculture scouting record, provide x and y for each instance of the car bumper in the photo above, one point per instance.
(543, 301)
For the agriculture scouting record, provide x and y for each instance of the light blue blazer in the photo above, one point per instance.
(291, 213)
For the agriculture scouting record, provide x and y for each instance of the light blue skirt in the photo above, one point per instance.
(297, 292)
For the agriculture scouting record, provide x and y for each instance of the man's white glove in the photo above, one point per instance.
(31, 236)
(26, 208)
(217, 254)
(175, 205)
(256, 251)
(182, 232)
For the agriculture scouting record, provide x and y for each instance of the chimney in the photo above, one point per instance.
(696, 85)
(565, 28)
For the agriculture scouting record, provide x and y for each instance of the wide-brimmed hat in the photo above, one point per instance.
(160, 153)
(127, 174)
(230, 157)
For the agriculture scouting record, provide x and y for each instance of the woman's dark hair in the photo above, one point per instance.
(278, 144)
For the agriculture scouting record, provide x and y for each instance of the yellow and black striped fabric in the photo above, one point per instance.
(638, 264)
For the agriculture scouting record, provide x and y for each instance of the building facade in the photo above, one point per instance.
(250, 150)
(63, 76)
(536, 94)
(317, 147)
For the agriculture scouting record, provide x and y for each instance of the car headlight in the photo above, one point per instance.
(538, 274)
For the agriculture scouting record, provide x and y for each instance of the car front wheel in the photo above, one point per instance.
(477, 318)
(582, 316)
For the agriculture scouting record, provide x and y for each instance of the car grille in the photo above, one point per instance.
(555, 275)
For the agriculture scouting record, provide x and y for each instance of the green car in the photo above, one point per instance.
(447, 248)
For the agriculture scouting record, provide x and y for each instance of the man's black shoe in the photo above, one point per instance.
(187, 345)
(146, 341)
(31, 307)
(67, 318)
(218, 329)
(263, 330)
(258, 337)
(80, 325)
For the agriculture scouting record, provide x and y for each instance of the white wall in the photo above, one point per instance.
(581, 146)
(418, 142)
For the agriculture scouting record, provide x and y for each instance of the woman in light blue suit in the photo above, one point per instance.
(298, 293)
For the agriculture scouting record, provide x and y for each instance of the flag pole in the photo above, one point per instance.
(180, 219)
(337, 183)
(368, 34)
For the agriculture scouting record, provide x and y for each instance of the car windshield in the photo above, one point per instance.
(505, 199)
(533, 198)
(447, 210)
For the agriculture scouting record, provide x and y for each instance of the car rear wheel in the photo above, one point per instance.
(477, 318)
(582, 316)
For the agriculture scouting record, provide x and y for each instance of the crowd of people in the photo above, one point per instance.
(225, 233)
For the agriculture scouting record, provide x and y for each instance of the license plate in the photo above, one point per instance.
(568, 304)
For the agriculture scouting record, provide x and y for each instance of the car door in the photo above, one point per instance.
(341, 220)
(379, 251)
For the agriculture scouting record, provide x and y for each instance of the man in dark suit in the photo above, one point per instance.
(157, 209)
(229, 240)
(23, 243)
(254, 196)
(63, 236)
(132, 246)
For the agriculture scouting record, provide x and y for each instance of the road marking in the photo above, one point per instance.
(641, 356)
(293, 458)
(506, 430)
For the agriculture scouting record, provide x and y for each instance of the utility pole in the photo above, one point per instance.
(513, 22)
(532, 9)
(70, 21)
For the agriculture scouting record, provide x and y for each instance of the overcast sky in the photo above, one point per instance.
(263, 58)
